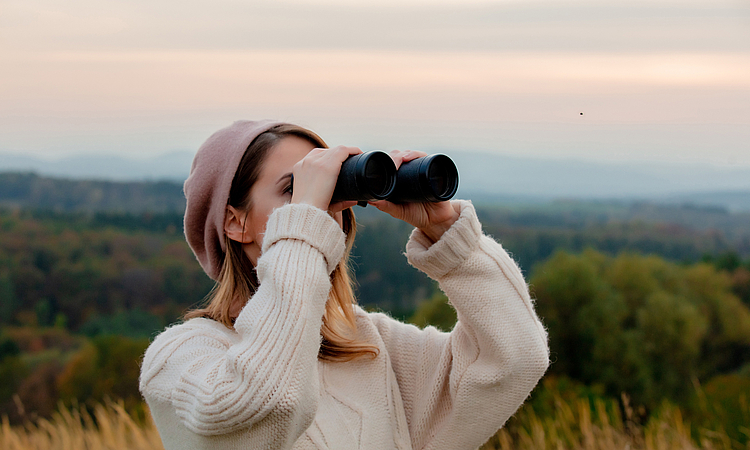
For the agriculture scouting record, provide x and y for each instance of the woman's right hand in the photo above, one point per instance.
(315, 177)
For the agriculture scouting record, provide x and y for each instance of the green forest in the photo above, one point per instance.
(642, 301)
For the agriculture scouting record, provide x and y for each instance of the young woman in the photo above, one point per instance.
(282, 358)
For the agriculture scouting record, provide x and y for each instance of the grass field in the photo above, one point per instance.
(574, 425)
(578, 425)
(110, 427)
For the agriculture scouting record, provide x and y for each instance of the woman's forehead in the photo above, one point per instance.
(283, 156)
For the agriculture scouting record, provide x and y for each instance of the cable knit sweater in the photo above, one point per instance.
(262, 386)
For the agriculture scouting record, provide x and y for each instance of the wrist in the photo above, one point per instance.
(434, 231)
(308, 200)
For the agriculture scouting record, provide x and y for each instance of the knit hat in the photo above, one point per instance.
(207, 190)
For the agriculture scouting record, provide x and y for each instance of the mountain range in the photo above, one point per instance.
(483, 176)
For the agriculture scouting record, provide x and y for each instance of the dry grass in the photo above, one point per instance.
(110, 428)
(575, 425)
(578, 426)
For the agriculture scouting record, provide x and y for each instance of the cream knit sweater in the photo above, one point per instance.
(261, 385)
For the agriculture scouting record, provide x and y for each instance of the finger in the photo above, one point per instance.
(397, 156)
(313, 157)
(375, 203)
(341, 152)
(340, 206)
(401, 156)
(330, 159)
(412, 155)
(385, 206)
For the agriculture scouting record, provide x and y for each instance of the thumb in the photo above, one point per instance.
(386, 206)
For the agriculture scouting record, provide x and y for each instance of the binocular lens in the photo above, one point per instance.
(438, 176)
(377, 179)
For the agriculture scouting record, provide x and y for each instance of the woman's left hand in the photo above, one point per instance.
(433, 219)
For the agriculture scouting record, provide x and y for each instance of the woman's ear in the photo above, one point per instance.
(234, 225)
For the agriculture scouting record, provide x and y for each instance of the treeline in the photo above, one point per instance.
(31, 191)
(75, 266)
(531, 232)
(52, 273)
(86, 267)
(678, 232)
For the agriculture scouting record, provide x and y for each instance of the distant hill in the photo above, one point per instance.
(31, 191)
(732, 200)
(116, 184)
(483, 176)
(512, 177)
(172, 166)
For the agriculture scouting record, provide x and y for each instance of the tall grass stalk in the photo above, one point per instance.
(577, 425)
(110, 428)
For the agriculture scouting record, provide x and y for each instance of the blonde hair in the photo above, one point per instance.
(238, 281)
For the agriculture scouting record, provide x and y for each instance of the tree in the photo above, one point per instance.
(12, 372)
(436, 312)
(106, 368)
(639, 324)
(8, 299)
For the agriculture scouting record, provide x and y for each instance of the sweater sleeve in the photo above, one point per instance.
(458, 388)
(218, 381)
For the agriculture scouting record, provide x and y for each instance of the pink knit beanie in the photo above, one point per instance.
(207, 189)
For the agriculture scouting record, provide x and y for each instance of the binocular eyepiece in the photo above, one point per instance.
(373, 176)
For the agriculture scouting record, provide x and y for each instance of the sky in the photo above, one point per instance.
(607, 80)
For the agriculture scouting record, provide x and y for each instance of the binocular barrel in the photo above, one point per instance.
(367, 176)
(373, 176)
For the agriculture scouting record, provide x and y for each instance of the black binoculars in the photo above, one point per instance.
(373, 176)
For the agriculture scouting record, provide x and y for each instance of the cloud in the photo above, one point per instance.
(654, 26)
(173, 80)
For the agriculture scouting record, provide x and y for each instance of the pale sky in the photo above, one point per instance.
(657, 80)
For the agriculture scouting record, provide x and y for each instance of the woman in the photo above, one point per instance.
(281, 357)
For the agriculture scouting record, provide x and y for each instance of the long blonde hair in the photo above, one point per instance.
(238, 281)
